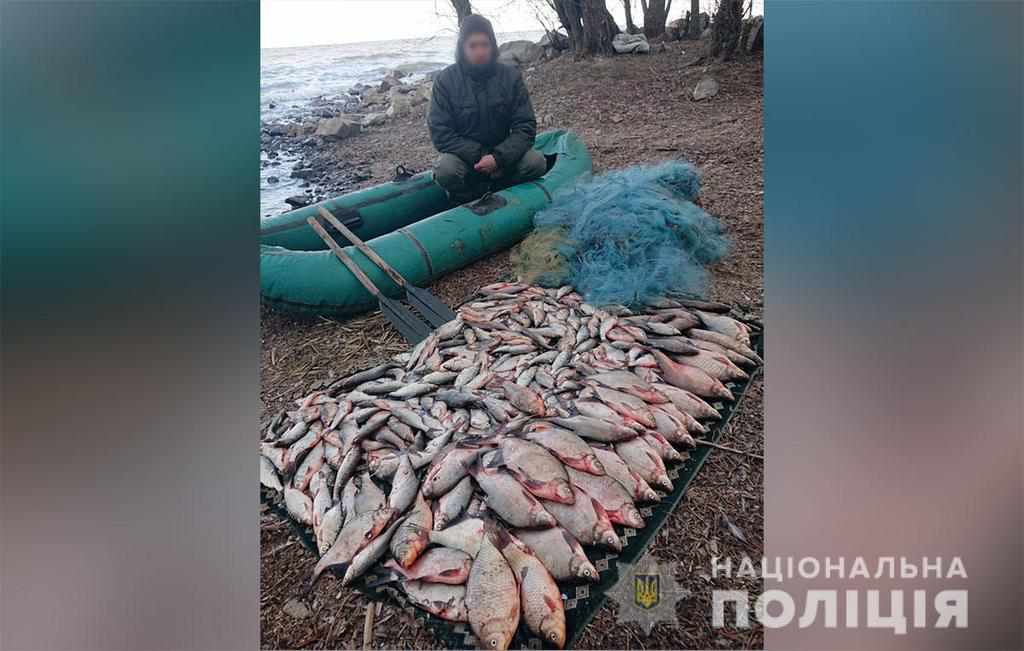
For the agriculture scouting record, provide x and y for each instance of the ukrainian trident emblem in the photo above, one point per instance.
(646, 594)
(646, 590)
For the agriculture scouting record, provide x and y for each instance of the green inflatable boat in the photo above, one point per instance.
(410, 223)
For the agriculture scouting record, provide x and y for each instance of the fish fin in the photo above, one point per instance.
(496, 460)
(391, 576)
(499, 536)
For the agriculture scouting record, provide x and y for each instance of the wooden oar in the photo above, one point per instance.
(433, 308)
(411, 327)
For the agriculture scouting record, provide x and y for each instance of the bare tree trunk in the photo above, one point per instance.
(462, 9)
(694, 26)
(569, 15)
(599, 27)
(630, 25)
(726, 29)
(589, 25)
(655, 14)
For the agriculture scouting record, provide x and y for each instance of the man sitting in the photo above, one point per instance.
(481, 119)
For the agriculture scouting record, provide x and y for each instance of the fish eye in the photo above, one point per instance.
(494, 643)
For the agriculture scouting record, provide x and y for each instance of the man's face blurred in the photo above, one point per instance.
(477, 49)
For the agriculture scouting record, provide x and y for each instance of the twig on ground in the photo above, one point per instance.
(728, 449)
(279, 548)
(371, 608)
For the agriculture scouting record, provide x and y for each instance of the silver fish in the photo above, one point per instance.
(453, 503)
(560, 552)
(510, 500)
(465, 535)
(413, 536)
(539, 596)
(492, 597)
(445, 601)
(268, 475)
(404, 486)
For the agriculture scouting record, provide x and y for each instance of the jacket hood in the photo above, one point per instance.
(476, 24)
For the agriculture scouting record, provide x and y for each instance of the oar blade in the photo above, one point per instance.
(433, 308)
(412, 327)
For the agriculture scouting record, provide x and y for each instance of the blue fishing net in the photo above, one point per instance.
(625, 236)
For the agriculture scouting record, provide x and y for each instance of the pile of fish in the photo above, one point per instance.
(473, 471)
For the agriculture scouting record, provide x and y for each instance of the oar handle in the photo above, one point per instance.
(367, 251)
(347, 261)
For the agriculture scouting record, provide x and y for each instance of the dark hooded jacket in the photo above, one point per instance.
(476, 110)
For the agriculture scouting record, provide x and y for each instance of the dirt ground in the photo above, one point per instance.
(629, 110)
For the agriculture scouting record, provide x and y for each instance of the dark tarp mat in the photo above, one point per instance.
(582, 600)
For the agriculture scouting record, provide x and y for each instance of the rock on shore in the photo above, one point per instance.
(519, 53)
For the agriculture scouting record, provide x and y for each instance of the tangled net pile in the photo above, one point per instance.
(625, 236)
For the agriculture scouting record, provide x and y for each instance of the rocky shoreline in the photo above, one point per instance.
(309, 138)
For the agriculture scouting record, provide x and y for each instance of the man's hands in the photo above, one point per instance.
(486, 165)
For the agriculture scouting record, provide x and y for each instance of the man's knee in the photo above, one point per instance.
(450, 171)
(532, 165)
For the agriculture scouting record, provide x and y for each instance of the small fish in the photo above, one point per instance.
(465, 535)
(661, 446)
(612, 496)
(445, 601)
(448, 469)
(726, 326)
(646, 462)
(539, 596)
(618, 470)
(308, 468)
(352, 538)
(581, 519)
(452, 504)
(369, 555)
(299, 505)
(560, 552)
(678, 345)
(598, 430)
(300, 448)
(507, 498)
(691, 378)
(436, 565)
(361, 377)
(293, 434)
(276, 456)
(537, 469)
(627, 405)
(440, 378)
(570, 449)
(268, 475)
(688, 403)
(381, 388)
(628, 382)
(716, 365)
(330, 525)
(492, 597)
(404, 486)
(726, 342)
(412, 537)
(346, 469)
(368, 496)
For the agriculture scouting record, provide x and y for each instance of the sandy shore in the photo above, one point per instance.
(629, 110)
